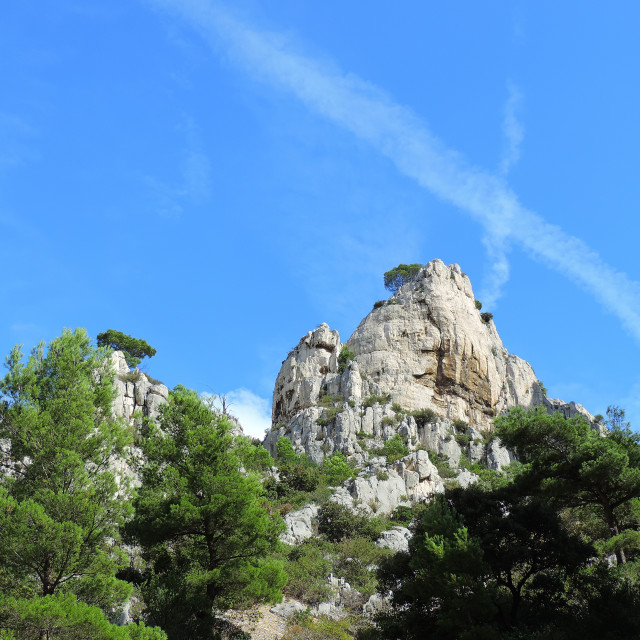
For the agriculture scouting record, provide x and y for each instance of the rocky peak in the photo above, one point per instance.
(426, 361)
(428, 346)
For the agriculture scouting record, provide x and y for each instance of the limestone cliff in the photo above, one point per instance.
(427, 347)
(135, 392)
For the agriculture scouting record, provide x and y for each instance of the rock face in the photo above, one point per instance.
(427, 366)
(300, 524)
(135, 392)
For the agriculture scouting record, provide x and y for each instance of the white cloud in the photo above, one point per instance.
(512, 130)
(253, 411)
(396, 132)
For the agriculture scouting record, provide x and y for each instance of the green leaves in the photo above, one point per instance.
(200, 517)
(63, 617)
(574, 465)
(134, 349)
(403, 273)
(60, 505)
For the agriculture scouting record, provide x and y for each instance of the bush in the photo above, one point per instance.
(423, 417)
(336, 469)
(353, 558)
(308, 567)
(403, 273)
(397, 408)
(394, 449)
(478, 305)
(379, 303)
(486, 317)
(285, 450)
(463, 439)
(324, 629)
(442, 465)
(388, 421)
(337, 522)
(345, 356)
(403, 516)
(374, 399)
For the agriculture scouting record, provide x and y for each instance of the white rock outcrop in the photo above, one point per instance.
(301, 524)
(427, 367)
(135, 392)
(396, 539)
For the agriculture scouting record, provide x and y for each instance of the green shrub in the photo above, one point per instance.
(345, 356)
(374, 399)
(486, 317)
(353, 557)
(308, 567)
(423, 417)
(388, 421)
(327, 400)
(336, 469)
(322, 629)
(382, 475)
(337, 522)
(442, 465)
(397, 408)
(379, 303)
(285, 450)
(478, 305)
(460, 425)
(463, 439)
(394, 449)
(403, 516)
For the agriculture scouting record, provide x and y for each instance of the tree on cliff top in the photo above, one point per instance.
(402, 274)
(134, 349)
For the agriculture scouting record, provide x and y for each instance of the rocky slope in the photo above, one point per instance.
(427, 366)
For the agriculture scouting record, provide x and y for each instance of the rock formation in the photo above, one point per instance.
(428, 366)
(136, 393)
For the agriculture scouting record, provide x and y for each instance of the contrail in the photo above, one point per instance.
(400, 135)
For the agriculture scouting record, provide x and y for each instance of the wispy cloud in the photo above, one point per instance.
(194, 185)
(495, 238)
(512, 129)
(396, 132)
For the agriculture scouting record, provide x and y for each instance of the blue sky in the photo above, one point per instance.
(220, 178)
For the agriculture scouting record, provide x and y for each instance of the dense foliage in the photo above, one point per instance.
(133, 349)
(548, 549)
(200, 520)
(60, 504)
(403, 273)
(527, 555)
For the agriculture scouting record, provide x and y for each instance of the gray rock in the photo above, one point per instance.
(466, 478)
(288, 608)
(396, 539)
(498, 456)
(376, 604)
(301, 524)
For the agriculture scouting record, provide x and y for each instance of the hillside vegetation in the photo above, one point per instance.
(162, 524)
